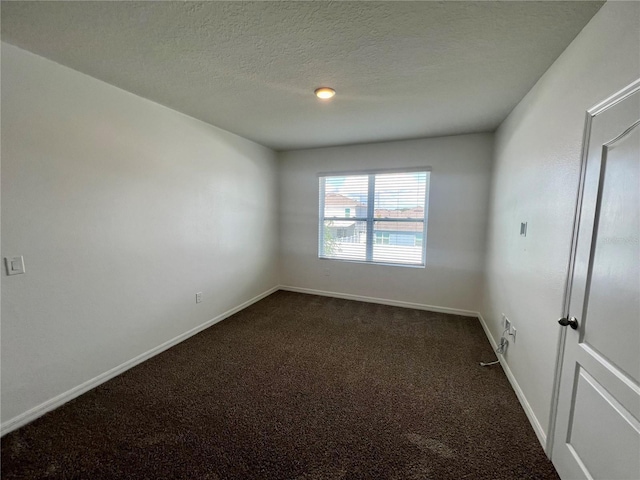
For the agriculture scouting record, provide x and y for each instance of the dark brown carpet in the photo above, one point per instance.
(297, 387)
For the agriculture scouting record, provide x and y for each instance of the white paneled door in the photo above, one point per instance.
(597, 433)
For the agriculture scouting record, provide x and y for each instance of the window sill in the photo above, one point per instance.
(362, 262)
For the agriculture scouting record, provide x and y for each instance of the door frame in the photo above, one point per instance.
(589, 116)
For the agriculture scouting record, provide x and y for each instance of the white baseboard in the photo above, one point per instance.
(39, 410)
(383, 301)
(537, 427)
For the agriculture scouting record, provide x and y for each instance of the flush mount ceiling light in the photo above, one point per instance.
(324, 93)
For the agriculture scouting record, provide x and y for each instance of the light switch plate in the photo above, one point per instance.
(15, 265)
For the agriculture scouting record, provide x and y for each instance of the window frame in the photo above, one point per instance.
(370, 219)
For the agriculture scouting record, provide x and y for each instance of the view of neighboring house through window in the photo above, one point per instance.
(376, 217)
(381, 238)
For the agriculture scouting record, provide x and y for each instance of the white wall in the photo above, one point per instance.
(456, 225)
(537, 160)
(123, 210)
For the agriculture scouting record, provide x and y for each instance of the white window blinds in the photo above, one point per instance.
(375, 217)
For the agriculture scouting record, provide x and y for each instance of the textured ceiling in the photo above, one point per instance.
(401, 69)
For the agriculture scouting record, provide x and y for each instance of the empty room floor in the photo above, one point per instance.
(297, 387)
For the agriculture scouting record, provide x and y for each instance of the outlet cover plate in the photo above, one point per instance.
(15, 265)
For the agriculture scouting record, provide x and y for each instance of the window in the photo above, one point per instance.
(374, 217)
(380, 238)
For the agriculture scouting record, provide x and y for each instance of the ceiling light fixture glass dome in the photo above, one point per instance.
(324, 93)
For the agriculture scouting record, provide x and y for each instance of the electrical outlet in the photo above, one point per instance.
(506, 323)
(198, 297)
(15, 265)
(523, 229)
